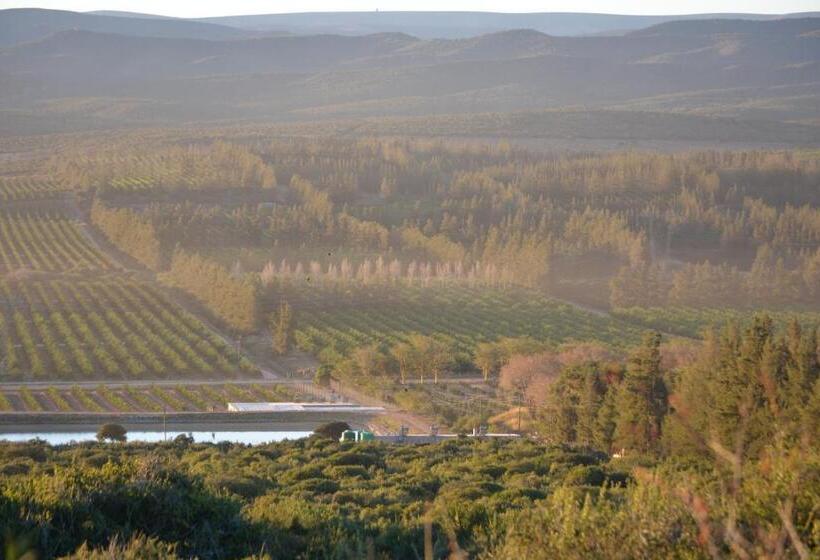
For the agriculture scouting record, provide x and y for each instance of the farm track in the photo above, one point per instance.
(90, 235)
(396, 415)
(120, 383)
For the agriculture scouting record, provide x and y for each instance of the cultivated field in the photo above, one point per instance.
(691, 322)
(458, 316)
(151, 398)
(46, 240)
(105, 329)
(21, 188)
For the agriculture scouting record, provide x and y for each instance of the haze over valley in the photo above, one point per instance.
(409, 285)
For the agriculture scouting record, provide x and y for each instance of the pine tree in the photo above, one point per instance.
(802, 370)
(606, 419)
(573, 404)
(641, 402)
(590, 399)
(747, 387)
(691, 404)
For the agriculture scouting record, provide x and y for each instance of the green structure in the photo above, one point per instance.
(357, 435)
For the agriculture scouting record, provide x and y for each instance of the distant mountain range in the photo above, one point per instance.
(29, 24)
(136, 70)
(457, 25)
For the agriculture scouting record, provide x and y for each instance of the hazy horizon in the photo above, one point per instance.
(435, 281)
(191, 9)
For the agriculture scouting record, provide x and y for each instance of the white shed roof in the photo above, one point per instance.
(302, 407)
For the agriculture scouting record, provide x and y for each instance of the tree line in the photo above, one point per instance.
(752, 383)
(549, 221)
(769, 282)
(131, 233)
(234, 300)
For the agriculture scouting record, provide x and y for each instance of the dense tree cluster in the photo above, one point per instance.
(234, 300)
(130, 232)
(364, 272)
(752, 383)
(769, 282)
(684, 229)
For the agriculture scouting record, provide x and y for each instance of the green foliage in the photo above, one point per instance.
(319, 498)
(108, 328)
(458, 317)
(574, 404)
(298, 499)
(323, 376)
(332, 430)
(691, 322)
(46, 239)
(740, 387)
(573, 527)
(753, 381)
(112, 432)
(641, 400)
(138, 548)
(234, 300)
(130, 233)
(504, 217)
(282, 330)
(217, 165)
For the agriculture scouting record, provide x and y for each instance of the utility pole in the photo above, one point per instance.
(519, 411)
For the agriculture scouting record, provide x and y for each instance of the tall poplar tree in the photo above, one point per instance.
(283, 330)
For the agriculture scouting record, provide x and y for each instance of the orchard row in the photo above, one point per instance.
(458, 316)
(153, 398)
(105, 329)
(46, 241)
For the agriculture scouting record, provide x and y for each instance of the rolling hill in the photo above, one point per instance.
(755, 70)
(31, 24)
(456, 25)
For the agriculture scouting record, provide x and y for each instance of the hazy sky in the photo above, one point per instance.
(201, 8)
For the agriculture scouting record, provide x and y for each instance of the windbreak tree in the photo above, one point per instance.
(283, 330)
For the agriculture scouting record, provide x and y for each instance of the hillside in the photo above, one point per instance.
(29, 24)
(601, 124)
(752, 70)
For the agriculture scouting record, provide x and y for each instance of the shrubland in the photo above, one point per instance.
(319, 498)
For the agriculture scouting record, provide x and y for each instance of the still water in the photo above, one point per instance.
(57, 438)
